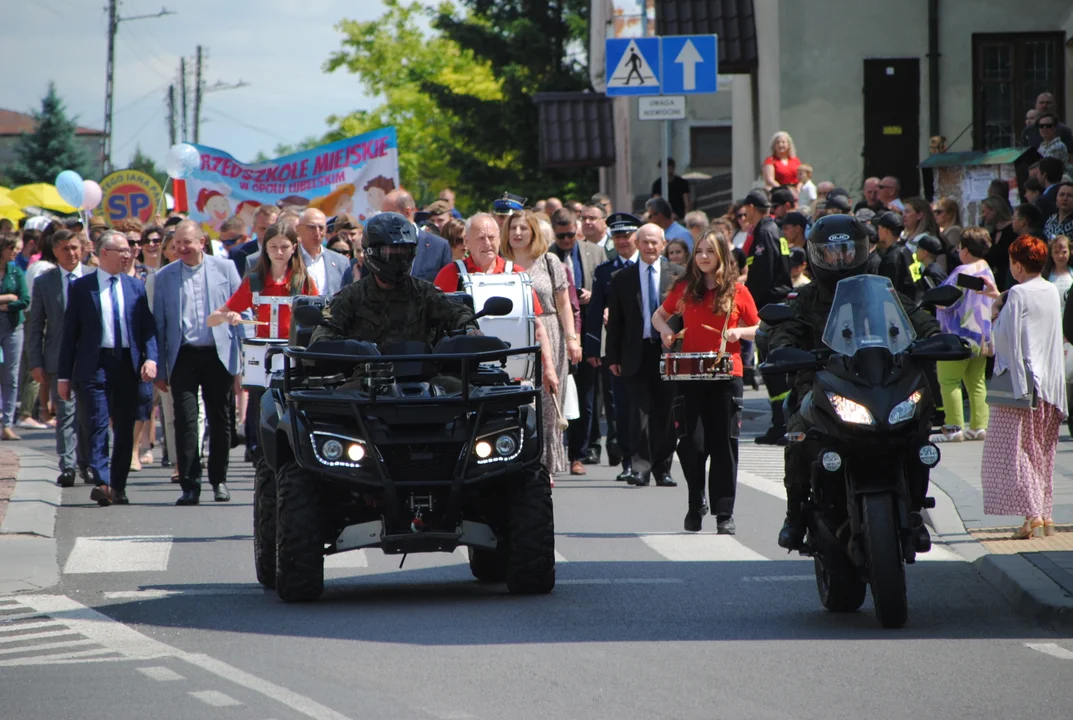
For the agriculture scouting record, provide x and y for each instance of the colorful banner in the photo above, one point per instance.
(350, 176)
(130, 194)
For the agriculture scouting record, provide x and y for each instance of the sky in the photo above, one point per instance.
(277, 46)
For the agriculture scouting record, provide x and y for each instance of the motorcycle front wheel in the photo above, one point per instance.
(886, 565)
(840, 589)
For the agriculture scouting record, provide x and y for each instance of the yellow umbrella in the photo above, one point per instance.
(41, 195)
(9, 209)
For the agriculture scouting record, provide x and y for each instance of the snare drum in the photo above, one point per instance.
(696, 366)
(519, 328)
(255, 372)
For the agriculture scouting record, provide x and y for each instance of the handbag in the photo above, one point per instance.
(1000, 392)
(571, 407)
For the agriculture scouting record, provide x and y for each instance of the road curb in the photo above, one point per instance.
(28, 535)
(1024, 585)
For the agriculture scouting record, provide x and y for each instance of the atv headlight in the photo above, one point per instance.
(500, 446)
(337, 450)
(905, 410)
(849, 411)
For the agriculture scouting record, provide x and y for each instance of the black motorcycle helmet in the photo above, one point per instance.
(837, 248)
(390, 246)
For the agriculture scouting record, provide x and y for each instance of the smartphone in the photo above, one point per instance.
(970, 281)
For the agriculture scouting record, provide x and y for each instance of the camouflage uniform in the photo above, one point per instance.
(413, 310)
(805, 331)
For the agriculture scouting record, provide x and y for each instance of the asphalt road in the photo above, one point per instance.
(158, 615)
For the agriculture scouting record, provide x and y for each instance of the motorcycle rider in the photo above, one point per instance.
(389, 305)
(838, 248)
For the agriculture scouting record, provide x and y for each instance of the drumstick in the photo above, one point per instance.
(252, 322)
(709, 327)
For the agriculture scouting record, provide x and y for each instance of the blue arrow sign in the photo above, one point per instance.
(633, 66)
(690, 64)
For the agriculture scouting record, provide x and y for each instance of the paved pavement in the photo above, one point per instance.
(156, 610)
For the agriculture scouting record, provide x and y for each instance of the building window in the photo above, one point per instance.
(1009, 72)
(710, 146)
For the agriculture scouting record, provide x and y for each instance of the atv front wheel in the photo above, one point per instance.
(530, 566)
(264, 524)
(299, 536)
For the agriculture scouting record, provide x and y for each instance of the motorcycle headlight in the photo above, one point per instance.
(905, 410)
(849, 411)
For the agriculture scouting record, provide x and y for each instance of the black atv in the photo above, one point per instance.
(407, 448)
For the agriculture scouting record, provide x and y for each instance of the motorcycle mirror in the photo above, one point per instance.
(776, 313)
(496, 307)
(308, 316)
(942, 296)
(789, 360)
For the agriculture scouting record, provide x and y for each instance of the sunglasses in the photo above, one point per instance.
(1045, 125)
(741, 215)
(151, 241)
(564, 236)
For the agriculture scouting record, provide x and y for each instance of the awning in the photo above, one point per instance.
(576, 129)
(732, 20)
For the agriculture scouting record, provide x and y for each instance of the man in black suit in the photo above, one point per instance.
(433, 252)
(1050, 174)
(634, 351)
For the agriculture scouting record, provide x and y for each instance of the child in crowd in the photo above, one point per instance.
(806, 194)
(932, 274)
(798, 278)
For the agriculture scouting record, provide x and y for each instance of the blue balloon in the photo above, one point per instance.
(70, 187)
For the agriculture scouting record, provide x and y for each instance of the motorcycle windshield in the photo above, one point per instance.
(867, 313)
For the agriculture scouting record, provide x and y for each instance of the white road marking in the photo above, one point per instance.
(71, 658)
(47, 646)
(1052, 649)
(20, 616)
(35, 636)
(160, 673)
(559, 557)
(619, 581)
(777, 578)
(160, 593)
(699, 547)
(146, 553)
(134, 645)
(350, 559)
(215, 698)
(771, 487)
(30, 626)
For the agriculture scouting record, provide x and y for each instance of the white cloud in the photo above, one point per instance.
(277, 46)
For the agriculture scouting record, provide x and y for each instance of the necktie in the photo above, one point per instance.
(67, 295)
(117, 322)
(653, 298)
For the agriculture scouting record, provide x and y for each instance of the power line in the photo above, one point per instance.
(150, 62)
(140, 130)
(142, 98)
(246, 125)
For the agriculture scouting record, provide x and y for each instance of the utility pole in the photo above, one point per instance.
(109, 85)
(197, 96)
(182, 90)
(171, 115)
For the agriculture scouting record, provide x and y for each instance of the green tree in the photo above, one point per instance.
(532, 47)
(51, 148)
(398, 61)
(143, 163)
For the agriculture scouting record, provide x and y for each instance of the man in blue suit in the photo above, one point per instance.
(196, 358)
(433, 252)
(109, 348)
(325, 266)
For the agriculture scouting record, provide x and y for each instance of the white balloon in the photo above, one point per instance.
(183, 160)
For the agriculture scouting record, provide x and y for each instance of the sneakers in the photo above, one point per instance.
(949, 434)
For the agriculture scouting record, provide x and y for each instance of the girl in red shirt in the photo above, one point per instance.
(712, 408)
(280, 272)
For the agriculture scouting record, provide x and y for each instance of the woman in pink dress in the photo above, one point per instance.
(1018, 461)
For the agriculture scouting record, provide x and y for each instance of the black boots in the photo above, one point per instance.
(792, 534)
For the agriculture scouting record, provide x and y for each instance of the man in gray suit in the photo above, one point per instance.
(325, 266)
(44, 335)
(196, 358)
(433, 252)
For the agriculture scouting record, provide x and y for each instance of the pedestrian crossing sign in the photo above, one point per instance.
(633, 66)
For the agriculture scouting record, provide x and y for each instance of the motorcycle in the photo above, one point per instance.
(869, 414)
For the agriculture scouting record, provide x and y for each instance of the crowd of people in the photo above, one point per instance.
(90, 312)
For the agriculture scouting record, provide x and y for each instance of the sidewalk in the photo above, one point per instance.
(27, 519)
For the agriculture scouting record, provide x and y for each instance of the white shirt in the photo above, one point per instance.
(316, 269)
(65, 280)
(36, 270)
(642, 266)
(104, 282)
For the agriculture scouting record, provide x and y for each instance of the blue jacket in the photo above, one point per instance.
(82, 325)
(433, 254)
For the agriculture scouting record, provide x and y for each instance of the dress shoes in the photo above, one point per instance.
(189, 497)
(724, 525)
(625, 475)
(614, 453)
(86, 475)
(593, 458)
(102, 495)
(577, 468)
(67, 478)
(640, 479)
(665, 480)
(220, 493)
(119, 497)
(693, 517)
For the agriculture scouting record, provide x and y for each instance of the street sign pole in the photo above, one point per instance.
(665, 176)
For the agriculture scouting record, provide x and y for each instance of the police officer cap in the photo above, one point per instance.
(931, 244)
(508, 204)
(619, 223)
(388, 228)
(890, 220)
(795, 218)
